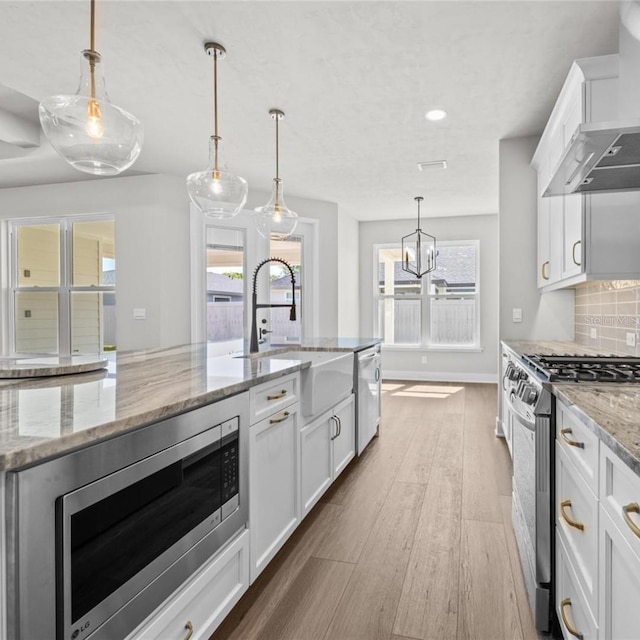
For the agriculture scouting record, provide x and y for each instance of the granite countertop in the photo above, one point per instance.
(34, 366)
(45, 417)
(610, 410)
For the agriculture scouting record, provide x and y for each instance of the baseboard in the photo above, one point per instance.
(437, 376)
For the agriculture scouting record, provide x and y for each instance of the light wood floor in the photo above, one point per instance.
(414, 540)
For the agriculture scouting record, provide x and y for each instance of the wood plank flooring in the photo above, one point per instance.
(412, 542)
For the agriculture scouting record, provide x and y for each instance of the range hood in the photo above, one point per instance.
(605, 156)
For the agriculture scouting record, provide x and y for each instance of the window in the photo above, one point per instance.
(289, 250)
(225, 287)
(63, 286)
(440, 310)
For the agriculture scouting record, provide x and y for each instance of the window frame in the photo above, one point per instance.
(65, 288)
(425, 298)
(256, 249)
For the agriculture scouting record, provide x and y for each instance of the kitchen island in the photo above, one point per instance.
(72, 444)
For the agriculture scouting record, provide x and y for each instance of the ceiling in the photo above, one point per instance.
(354, 78)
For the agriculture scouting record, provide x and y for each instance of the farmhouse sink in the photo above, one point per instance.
(328, 380)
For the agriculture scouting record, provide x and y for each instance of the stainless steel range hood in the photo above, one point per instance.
(603, 156)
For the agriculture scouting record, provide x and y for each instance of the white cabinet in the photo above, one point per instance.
(590, 236)
(273, 484)
(327, 445)
(619, 584)
(597, 536)
(204, 601)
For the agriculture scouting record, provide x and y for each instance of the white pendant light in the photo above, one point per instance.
(89, 132)
(275, 220)
(215, 191)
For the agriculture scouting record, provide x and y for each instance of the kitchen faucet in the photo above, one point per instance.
(253, 346)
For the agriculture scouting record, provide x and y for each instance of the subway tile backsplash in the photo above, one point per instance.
(610, 309)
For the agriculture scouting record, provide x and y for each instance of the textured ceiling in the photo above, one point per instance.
(354, 78)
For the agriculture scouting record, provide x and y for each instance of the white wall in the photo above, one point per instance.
(448, 365)
(547, 316)
(348, 280)
(152, 247)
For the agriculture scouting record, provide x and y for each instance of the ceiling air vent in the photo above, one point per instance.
(434, 164)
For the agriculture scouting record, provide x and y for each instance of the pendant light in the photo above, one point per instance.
(419, 250)
(89, 132)
(275, 220)
(215, 191)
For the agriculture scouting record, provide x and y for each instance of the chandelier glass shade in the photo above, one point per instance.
(419, 250)
(86, 129)
(216, 191)
(275, 220)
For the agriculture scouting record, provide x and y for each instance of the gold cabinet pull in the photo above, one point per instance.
(566, 504)
(189, 628)
(282, 418)
(277, 396)
(543, 273)
(573, 443)
(573, 253)
(632, 507)
(570, 628)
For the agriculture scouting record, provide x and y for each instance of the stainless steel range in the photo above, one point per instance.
(532, 406)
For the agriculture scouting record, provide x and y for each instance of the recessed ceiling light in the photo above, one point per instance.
(433, 164)
(436, 114)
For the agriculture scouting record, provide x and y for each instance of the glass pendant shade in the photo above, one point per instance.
(275, 220)
(419, 250)
(215, 191)
(89, 132)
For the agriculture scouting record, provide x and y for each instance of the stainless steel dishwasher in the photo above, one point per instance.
(367, 385)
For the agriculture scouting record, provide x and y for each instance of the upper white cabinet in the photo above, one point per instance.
(584, 236)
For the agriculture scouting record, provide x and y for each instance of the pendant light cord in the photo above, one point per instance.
(92, 49)
(277, 118)
(215, 112)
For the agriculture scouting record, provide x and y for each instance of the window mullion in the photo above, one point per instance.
(64, 297)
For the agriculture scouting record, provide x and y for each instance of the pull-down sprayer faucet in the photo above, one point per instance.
(253, 346)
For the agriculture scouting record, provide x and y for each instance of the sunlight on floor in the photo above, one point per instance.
(388, 386)
(425, 391)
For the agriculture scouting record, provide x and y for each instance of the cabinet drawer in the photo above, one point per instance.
(205, 600)
(271, 397)
(577, 522)
(576, 619)
(620, 497)
(580, 445)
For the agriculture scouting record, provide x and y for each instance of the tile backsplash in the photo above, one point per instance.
(610, 309)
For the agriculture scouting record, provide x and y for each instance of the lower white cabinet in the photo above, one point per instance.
(327, 445)
(273, 485)
(619, 584)
(205, 600)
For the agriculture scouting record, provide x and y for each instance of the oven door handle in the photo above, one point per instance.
(522, 419)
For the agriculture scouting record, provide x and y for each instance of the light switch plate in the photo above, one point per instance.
(594, 333)
(517, 315)
(631, 339)
(139, 314)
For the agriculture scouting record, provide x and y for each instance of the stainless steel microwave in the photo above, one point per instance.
(100, 537)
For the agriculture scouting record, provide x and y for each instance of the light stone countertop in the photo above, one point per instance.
(45, 417)
(610, 410)
(34, 366)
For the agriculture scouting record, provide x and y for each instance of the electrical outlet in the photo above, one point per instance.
(424, 359)
(594, 333)
(631, 339)
(517, 315)
(140, 314)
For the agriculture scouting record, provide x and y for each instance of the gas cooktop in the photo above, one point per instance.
(572, 368)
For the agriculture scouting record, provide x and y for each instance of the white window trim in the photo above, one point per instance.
(256, 250)
(64, 289)
(423, 345)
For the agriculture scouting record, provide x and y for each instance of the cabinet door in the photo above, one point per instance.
(572, 261)
(344, 442)
(556, 233)
(619, 584)
(544, 249)
(316, 462)
(273, 485)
